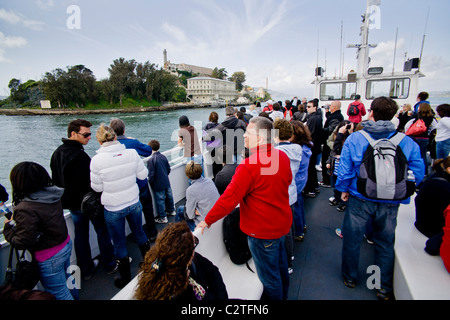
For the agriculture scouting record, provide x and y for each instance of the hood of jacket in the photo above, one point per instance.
(379, 129)
(356, 103)
(47, 195)
(293, 151)
(230, 122)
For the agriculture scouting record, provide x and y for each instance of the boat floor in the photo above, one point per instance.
(317, 264)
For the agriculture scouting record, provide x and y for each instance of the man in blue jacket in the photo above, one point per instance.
(361, 210)
(421, 98)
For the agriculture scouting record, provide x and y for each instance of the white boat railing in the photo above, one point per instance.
(179, 184)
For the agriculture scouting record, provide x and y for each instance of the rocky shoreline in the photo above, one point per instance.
(80, 111)
(59, 111)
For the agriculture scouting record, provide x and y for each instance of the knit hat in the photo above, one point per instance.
(184, 121)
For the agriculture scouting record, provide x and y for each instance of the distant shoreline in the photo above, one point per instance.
(61, 111)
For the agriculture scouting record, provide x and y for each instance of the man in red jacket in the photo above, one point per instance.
(356, 110)
(260, 185)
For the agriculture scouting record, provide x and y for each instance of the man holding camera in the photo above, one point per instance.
(332, 122)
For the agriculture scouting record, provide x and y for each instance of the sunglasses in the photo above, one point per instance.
(85, 135)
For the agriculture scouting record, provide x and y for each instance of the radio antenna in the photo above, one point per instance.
(395, 52)
(423, 40)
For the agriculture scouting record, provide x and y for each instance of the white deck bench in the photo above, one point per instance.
(417, 275)
(241, 283)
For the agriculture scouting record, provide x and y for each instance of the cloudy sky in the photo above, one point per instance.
(274, 39)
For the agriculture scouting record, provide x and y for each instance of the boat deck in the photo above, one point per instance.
(317, 261)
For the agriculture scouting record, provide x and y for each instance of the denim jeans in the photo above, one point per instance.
(442, 149)
(271, 265)
(164, 202)
(359, 213)
(83, 248)
(53, 274)
(116, 227)
(180, 217)
(299, 215)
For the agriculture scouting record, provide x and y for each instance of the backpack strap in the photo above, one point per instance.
(395, 139)
(368, 137)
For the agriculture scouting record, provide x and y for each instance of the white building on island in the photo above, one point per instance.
(205, 90)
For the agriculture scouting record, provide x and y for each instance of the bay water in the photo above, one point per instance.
(35, 138)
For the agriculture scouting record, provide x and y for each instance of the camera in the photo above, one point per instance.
(348, 127)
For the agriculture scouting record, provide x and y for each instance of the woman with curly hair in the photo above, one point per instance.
(172, 270)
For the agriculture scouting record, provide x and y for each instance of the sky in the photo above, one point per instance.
(278, 40)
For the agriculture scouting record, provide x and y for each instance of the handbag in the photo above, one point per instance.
(91, 206)
(417, 128)
(25, 276)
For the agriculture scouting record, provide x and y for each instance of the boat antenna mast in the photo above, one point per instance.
(363, 48)
(423, 40)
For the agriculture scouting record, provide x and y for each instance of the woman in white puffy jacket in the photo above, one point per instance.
(114, 171)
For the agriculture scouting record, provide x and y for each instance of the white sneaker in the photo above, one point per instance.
(173, 213)
(319, 168)
(161, 220)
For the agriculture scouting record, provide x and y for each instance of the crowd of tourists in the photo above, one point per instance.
(264, 161)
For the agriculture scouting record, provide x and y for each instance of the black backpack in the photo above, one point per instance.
(353, 110)
(235, 240)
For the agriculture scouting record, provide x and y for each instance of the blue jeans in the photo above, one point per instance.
(359, 213)
(442, 149)
(299, 215)
(116, 227)
(83, 248)
(271, 266)
(180, 217)
(164, 202)
(53, 274)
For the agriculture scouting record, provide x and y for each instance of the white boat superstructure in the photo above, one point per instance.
(368, 81)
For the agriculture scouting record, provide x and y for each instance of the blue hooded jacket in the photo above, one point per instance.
(353, 151)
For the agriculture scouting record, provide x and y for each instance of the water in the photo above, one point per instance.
(35, 138)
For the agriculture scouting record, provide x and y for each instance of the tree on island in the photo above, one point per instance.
(239, 79)
(221, 73)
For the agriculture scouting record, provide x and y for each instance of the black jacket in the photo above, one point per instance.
(70, 166)
(208, 276)
(233, 127)
(431, 201)
(314, 124)
(40, 222)
(224, 177)
(332, 122)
